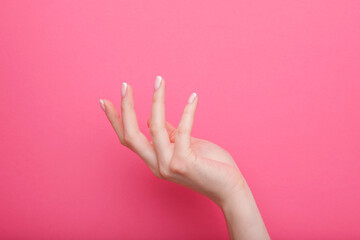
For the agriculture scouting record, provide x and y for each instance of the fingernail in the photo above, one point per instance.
(102, 105)
(192, 98)
(123, 89)
(157, 82)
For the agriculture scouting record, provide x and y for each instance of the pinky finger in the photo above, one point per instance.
(114, 118)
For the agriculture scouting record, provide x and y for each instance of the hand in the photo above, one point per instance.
(173, 154)
(194, 163)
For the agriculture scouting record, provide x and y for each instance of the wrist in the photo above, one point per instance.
(231, 195)
(239, 193)
(242, 216)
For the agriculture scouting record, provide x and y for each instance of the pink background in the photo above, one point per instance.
(278, 86)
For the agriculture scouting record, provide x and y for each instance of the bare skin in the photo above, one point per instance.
(174, 155)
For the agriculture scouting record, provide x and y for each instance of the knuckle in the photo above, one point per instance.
(115, 116)
(129, 138)
(154, 129)
(123, 107)
(178, 166)
(114, 119)
(154, 100)
(164, 173)
(187, 111)
(182, 131)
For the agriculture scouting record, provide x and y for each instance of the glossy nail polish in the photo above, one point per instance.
(157, 82)
(102, 105)
(192, 98)
(123, 89)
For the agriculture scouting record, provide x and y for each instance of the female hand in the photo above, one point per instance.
(173, 154)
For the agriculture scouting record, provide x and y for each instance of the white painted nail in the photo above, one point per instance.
(102, 104)
(192, 98)
(157, 82)
(123, 89)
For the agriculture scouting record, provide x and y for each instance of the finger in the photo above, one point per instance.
(171, 130)
(183, 133)
(114, 118)
(133, 137)
(157, 128)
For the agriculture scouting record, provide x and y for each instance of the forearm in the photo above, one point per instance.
(242, 216)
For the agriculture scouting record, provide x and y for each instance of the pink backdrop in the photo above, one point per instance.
(278, 86)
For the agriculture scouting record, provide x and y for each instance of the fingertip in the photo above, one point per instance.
(159, 83)
(124, 87)
(114, 117)
(192, 98)
(106, 105)
(109, 108)
(127, 92)
(102, 104)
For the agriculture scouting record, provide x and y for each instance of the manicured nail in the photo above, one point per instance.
(102, 104)
(192, 98)
(123, 89)
(157, 82)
